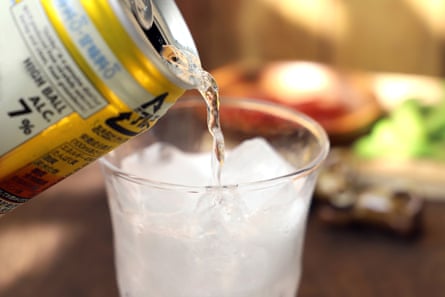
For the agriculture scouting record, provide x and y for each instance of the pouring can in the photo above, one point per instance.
(77, 79)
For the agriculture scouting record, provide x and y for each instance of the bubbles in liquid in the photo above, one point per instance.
(187, 67)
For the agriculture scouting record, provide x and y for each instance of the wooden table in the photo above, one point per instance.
(60, 245)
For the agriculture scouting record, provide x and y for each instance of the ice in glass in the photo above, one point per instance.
(178, 234)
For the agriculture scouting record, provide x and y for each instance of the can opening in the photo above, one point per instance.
(155, 37)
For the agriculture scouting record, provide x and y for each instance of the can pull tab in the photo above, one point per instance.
(142, 9)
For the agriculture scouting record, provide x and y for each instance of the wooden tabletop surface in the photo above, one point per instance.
(60, 244)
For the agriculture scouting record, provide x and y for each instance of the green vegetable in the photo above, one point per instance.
(435, 122)
(410, 131)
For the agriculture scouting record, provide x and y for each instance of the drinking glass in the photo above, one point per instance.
(178, 233)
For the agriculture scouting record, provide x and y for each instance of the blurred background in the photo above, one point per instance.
(380, 35)
(349, 64)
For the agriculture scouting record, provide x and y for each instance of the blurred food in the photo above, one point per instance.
(346, 199)
(405, 149)
(237, 120)
(411, 131)
(340, 101)
(384, 177)
(393, 124)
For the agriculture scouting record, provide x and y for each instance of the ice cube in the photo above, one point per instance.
(253, 160)
(256, 160)
(162, 163)
(165, 163)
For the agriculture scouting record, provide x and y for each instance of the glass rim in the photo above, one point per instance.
(269, 107)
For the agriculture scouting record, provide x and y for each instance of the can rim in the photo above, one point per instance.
(168, 18)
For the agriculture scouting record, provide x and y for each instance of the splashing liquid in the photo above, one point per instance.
(187, 66)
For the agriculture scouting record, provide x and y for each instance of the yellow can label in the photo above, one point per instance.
(67, 94)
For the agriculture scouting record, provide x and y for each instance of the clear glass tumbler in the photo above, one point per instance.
(177, 235)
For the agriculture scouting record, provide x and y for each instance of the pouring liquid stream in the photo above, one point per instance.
(187, 66)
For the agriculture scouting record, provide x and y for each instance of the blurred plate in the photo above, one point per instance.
(340, 101)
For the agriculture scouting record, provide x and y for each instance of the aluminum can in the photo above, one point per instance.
(77, 79)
